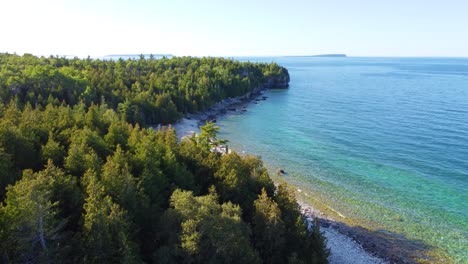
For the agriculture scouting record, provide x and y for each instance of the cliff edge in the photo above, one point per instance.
(278, 80)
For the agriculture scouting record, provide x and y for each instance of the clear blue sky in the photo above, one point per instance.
(235, 28)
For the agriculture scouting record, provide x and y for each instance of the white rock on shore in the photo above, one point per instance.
(186, 127)
(343, 250)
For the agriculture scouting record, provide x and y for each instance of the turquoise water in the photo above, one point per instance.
(381, 140)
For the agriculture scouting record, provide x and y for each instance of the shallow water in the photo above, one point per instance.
(383, 141)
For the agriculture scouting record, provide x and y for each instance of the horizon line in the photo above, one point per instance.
(243, 56)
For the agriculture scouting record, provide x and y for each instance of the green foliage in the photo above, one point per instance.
(119, 182)
(210, 232)
(144, 91)
(259, 175)
(233, 177)
(106, 234)
(117, 134)
(315, 245)
(112, 191)
(207, 139)
(36, 216)
(305, 244)
(81, 158)
(52, 150)
(269, 229)
(6, 173)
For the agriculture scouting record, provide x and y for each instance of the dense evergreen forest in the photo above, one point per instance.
(83, 181)
(145, 91)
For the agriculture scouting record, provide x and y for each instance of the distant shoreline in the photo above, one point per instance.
(191, 122)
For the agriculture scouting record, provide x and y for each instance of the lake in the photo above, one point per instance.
(380, 141)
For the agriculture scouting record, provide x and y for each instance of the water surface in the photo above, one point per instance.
(383, 141)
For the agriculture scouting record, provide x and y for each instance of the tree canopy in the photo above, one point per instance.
(83, 181)
(145, 91)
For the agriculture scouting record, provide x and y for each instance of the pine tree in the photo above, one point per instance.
(268, 229)
(210, 232)
(35, 230)
(7, 176)
(106, 234)
(52, 150)
(118, 181)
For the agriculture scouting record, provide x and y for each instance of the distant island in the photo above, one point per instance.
(322, 55)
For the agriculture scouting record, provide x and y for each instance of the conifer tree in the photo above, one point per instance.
(269, 229)
(210, 232)
(106, 233)
(35, 222)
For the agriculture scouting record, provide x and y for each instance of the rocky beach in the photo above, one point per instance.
(355, 244)
(191, 122)
(346, 244)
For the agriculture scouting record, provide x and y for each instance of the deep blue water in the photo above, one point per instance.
(380, 140)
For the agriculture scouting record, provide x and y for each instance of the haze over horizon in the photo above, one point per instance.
(242, 28)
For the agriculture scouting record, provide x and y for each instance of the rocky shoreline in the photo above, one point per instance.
(191, 122)
(348, 244)
(234, 104)
(239, 103)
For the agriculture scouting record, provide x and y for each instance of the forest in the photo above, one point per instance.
(144, 91)
(83, 180)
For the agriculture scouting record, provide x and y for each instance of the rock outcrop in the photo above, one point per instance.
(278, 81)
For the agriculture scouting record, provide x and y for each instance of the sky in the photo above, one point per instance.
(235, 28)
